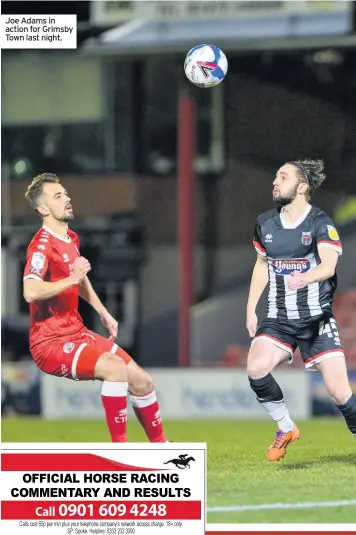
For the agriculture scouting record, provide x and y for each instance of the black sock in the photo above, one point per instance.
(349, 413)
(266, 389)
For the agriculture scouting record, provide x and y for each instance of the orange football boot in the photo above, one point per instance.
(278, 449)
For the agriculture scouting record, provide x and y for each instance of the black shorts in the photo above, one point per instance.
(317, 340)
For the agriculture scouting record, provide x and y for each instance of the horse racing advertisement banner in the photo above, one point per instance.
(105, 489)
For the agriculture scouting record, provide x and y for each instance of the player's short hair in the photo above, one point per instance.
(35, 189)
(310, 172)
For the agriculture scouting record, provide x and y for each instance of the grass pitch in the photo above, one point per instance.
(320, 467)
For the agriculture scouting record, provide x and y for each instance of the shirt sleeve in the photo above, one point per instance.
(257, 240)
(37, 261)
(326, 234)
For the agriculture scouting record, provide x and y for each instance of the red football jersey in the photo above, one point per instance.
(50, 258)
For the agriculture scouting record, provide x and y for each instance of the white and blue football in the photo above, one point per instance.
(205, 65)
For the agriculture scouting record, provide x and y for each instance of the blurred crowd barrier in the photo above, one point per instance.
(183, 393)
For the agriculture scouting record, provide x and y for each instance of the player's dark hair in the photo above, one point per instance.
(310, 172)
(35, 189)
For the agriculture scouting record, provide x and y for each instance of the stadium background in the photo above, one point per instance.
(114, 120)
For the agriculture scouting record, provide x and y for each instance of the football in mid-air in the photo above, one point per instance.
(205, 65)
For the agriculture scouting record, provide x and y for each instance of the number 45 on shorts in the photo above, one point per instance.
(329, 328)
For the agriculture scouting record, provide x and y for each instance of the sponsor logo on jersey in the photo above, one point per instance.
(64, 370)
(68, 347)
(35, 271)
(38, 260)
(333, 234)
(306, 238)
(286, 267)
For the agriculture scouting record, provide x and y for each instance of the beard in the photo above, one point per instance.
(284, 200)
(66, 217)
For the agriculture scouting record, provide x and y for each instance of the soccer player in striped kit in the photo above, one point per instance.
(297, 248)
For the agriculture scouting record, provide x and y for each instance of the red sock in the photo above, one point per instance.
(147, 411)
(114, 399)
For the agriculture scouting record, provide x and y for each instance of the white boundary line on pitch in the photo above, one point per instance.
(269, 506)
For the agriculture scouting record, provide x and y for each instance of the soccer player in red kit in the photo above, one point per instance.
(55, 277)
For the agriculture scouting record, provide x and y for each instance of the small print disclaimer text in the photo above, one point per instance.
(87, 527)
(39, 31)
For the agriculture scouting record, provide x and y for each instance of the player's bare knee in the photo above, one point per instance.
(336, 379)
(340, 397)
(258, 365)
(253, 368)
(142, 385)
(110, 368)
(257, 370)
(263, 358)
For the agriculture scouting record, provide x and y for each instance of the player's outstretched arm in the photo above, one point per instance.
(259, 282)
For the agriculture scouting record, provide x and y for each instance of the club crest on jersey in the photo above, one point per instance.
(68, 347)
(288, 266)
(306, 238)
(333, 234)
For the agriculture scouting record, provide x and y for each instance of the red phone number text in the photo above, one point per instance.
(170, 510)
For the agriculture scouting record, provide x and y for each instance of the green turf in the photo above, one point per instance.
(319, 467)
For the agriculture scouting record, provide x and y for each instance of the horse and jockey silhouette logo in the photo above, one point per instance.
(182, 462)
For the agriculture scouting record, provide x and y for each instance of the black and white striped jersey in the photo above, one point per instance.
(290, 248)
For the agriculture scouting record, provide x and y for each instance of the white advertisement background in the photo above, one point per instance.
(193, 478)
(182, 394)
